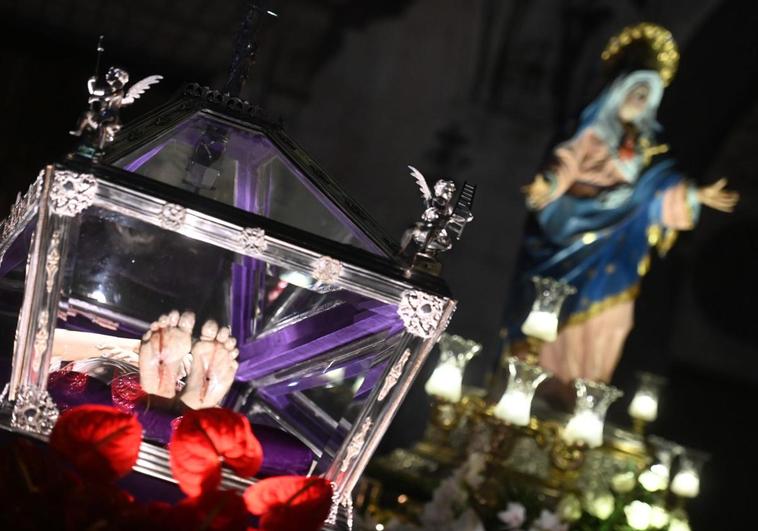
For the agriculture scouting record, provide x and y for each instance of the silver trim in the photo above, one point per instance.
(393, 375)
(71, 192)
(421, 313)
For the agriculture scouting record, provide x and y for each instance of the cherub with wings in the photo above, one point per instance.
(430, 234)
(101, 120)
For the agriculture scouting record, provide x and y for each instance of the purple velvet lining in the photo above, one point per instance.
(282, 453)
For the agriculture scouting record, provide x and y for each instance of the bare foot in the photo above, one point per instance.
(163, 348)
(213, 367)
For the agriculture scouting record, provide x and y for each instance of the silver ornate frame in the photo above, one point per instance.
(57, 198)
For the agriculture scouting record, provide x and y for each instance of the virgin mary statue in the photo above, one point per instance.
(606, 198)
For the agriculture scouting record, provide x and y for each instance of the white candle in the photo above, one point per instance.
(686, 484)
(514, 407)
(542, 325)
(446, 382)
(655, 478)
(644, 407)
(584, 427)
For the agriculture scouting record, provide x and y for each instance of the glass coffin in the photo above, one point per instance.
(205, 261)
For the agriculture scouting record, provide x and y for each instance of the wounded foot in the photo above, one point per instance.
(213, 367)
(163, 348)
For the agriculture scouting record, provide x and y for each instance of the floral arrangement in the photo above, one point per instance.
(72, 484)
(633, 502)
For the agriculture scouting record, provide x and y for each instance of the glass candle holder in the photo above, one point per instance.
(446, 381)
(592, 401)
(515, 405)
(686, 482)
(542, 321)
(644, 405)
(656, 478)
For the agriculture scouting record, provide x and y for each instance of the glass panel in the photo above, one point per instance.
(12, 276)
(243, 168)
(307, 355)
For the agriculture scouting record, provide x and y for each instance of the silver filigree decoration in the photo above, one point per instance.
(20, 209)
(252, 240)
(172, 216)
(34, 411)
(327, 270)
(340, 500)
(40, 339)
(356, 444)
(420, 312)
(71, 192)
(53, 260)
(394, 375)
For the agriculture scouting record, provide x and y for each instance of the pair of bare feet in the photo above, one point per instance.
(164, 348)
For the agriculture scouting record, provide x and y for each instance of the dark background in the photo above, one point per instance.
(477, 90)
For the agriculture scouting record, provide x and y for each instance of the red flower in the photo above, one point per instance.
(221, 510)
(100, 441)
(126, 391)
(290, 503)
(206, 438)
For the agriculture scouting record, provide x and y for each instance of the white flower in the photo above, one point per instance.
(638, 514)
(513, 516)
(569, 508)
(623, 482)
(678, 525)
(659, 517)
(548, 522)
(474, 469)
(600, 505)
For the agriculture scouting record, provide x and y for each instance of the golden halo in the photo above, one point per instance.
(664, 53)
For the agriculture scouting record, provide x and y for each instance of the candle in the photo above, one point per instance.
(686, 484)
(655, 478)
(541, 325)
(446, 381)
(514, 407)
(584, 427)
(644, 407)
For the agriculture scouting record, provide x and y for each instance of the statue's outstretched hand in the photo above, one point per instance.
(716, 197)
(538, 193)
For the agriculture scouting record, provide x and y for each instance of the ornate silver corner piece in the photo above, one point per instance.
(356, 444)
(327, 270)
(394, 375)
(71, 192)
(172, 216)
(252, 240)
(420, 312)
(53, 260)
(34, 411)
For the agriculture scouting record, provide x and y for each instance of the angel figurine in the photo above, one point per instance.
(100, 122)
(609, 195)
(442, 221)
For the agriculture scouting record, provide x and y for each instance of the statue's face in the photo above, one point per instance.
(634, 103)
(444, 189)
(116, 77)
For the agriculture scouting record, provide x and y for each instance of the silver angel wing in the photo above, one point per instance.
(139, 88)
(423, 186)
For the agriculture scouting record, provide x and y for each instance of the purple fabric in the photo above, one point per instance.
(314, 336)
(282, 453)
